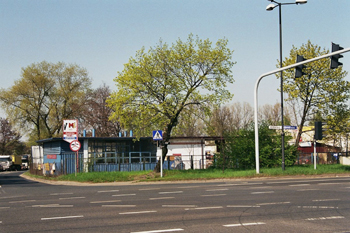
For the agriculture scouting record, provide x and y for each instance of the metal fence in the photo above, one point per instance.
(69, 164)
(321, 158)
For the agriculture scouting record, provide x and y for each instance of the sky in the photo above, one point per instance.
(102, 35)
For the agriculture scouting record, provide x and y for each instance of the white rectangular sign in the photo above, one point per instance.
(70, 130)
(286, 127)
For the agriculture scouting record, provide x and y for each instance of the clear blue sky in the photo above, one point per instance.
(101, 35)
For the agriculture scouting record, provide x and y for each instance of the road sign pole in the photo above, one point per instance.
(75, 165)
(315, 154)
(161, 164)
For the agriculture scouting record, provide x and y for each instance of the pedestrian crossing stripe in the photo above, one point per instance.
(157, 135)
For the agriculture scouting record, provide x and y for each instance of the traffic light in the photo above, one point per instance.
(318, 130)
(334, 59)
(299, 69)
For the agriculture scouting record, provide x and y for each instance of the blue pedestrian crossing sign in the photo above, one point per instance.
(157, 135)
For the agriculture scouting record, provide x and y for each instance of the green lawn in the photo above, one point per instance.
(208, 174)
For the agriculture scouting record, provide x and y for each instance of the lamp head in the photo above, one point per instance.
(300, 1)
(270, 7)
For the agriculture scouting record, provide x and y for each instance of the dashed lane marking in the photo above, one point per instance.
(140, 212)
(108, 191)
(245, 224)
(64, 217)
(161, 198)
(324, 218)
(275, 203)
(159, 231)
(99, 202)
(171, 192)
(56, 194)
(69, 198)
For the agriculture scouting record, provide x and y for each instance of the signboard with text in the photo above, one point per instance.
(286, 127)
(70, 130)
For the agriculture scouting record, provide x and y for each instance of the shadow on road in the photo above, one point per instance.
(14, 178)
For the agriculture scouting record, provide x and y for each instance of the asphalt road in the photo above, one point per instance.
(256, 205)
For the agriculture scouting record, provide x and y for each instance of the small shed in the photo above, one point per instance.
(95, 154)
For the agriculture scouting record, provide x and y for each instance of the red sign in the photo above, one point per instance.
(75, 145)
(51, 156)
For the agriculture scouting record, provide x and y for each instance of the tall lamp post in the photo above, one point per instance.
(270, 7)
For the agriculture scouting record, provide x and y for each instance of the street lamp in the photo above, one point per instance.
(270, 7)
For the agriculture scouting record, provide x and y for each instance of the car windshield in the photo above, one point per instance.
(5, 159)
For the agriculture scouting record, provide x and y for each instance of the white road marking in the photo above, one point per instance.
(243, 206)
(149, 189)
(275, 203)
(22, 201)
(98, 202)
(65, 217)
(261, 187)
(160, 198)
(296, 185)
(55, 194)
(52, 205)
(11, 197)
(141, 212)
(205, 208)
(4, 208)
(328, 183)
(170, 192)
(120, 206)
(108, 191)
(214, 190)
(69, 198)
(180, 206)
(326, 200)
(263, 192)
(317, 207)
(124, 195)
(159, 231)
(303, 190)
(188, 187)
(245, 224)
(223, 185)
(324, 218)
(214, 195)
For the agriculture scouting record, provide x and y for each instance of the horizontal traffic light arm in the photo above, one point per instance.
(256, 96)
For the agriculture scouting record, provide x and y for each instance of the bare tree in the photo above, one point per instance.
(97, 113)
(242, 115)
(9, 139)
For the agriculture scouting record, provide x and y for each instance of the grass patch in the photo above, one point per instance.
(207, 174)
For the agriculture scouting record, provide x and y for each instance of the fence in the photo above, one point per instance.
(68, 165)
(321, 158)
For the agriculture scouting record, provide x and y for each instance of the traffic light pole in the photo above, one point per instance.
(256, 96)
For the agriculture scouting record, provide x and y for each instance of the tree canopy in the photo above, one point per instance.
(156, 87)
(321, 89)
(46, 94)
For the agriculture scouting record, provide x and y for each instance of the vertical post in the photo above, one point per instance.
(281, 65)
(77, 161)
(161, 164)
(202, 143)
(76, 165)
(315, 154)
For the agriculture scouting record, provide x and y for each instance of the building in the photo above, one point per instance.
(53, 156)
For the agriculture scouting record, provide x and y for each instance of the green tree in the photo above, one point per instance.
(157, 87)
(319, 88)
(46, 94)
(240, 148)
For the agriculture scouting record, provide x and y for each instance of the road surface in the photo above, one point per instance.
(252, 205)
